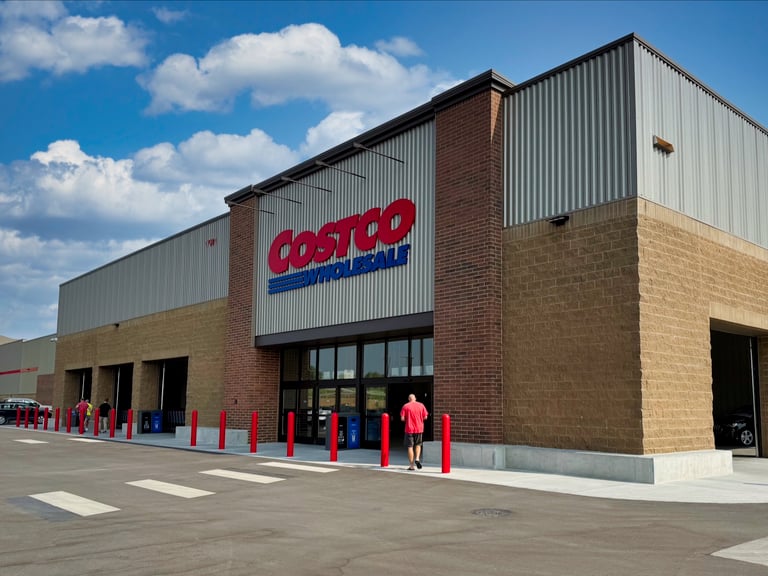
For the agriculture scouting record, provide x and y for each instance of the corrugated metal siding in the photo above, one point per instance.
(718, 172)
(382, 294)
(10, 362)
(189, 268)
(570, 139)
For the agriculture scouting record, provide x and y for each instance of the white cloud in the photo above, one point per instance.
(304, 62)
(40, 35)
(177, 185)
(32, 268)
(336, 128)
(167, 16)
(399, 46)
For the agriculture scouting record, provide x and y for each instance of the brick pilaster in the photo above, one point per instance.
(468, 273)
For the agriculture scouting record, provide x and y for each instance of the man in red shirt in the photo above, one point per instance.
(413, 414)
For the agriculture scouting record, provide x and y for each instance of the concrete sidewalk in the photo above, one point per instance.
(748, 483)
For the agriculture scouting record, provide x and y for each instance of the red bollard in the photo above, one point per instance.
(334, 437)
(81, 428)
(446, 443)
(69, 420)
(129, 431)
(18, 416)
(56, 414)
(222, 429)
(96, 421)
(26, 417)
(193, 432)
(45, 419)
(37, 416)
(384, 440)
(291, 433)
(112, 417)
(254, 431)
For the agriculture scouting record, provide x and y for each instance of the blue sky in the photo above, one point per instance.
(126, 122)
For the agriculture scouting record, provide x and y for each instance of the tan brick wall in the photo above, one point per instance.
(468, 223)
(571, 342)
(607, 324)
(690, 273)
(196, 332)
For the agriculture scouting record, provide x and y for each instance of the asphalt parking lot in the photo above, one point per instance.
(139, 510)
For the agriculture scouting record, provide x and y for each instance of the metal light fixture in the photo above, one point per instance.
(559, 220)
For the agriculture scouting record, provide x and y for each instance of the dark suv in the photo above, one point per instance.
(9, 405)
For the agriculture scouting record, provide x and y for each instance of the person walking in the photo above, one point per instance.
(104, 415)
(413, 414)
(88, 413)
(80, 409)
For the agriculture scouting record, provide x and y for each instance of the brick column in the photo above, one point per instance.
(251, 375)
(468, 268)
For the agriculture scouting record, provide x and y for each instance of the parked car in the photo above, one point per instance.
(9, 405)
(736, 427)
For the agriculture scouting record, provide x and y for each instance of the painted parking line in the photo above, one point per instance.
(172, 489)
(73, 503)
(755, 552)
(29, 441)
(247, 477)
(298, 467)
(85, 440)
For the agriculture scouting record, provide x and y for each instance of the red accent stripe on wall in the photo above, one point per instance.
(19, 371)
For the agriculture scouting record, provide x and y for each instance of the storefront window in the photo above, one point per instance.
(309, 364)
(325, 363)
(346, 362)
(291, 358)
(373, 360)
(422, 350)
(397, 358)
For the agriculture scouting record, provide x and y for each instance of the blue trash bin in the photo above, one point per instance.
(157, 420)
(353, 431)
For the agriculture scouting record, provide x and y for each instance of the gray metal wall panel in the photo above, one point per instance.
(718, 172)
(570, 139)
(385, 293)
(189, 268)
(10, 362)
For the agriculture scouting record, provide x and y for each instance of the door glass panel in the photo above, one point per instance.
(346, 362)
(347, 399)
(289, 405)
(326, 403)
(375, 405)
(373, 360)
(397, 358)
(325, 363)
(304, 416)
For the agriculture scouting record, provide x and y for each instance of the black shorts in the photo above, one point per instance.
(412, 440)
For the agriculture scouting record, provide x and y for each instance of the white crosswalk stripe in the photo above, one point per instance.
(73, 503)
(85, 440)
(29, 441)
(242, 476)
(291, 466)
(172, 489)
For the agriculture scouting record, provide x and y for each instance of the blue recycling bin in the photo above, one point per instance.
(353, 431)
(157, 420)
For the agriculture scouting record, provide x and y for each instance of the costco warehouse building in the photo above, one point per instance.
(574, 268)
